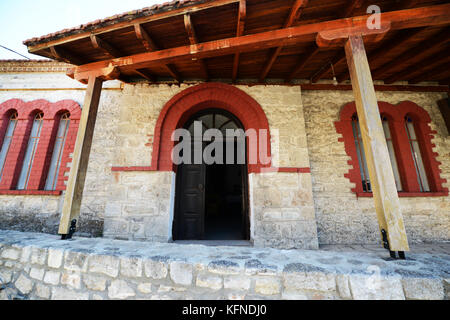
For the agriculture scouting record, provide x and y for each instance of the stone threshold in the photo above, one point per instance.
(216, 243)
(41, 266)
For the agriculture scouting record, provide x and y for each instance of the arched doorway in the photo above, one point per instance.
(211, 199)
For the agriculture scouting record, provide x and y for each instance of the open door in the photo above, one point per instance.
(190, 220)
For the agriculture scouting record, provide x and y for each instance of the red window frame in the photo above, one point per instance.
(396, 115)
(40, 166)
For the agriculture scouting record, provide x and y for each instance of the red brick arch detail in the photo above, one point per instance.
(192, 100)
(396, 115)
(26, 112)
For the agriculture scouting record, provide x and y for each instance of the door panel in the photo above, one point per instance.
(191, 202)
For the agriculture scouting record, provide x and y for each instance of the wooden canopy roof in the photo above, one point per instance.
(260, 41)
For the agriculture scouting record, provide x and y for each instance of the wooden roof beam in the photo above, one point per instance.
(381, 51)
(107, 48)
(441, 69)
(420, 67)
(145, 38)
(125, 24)
(303, 61)
(173, 72)
(423, 49)
(356, 4)
(144, 73)
(294, 15)
(193, 39)
(404, 19)
(376, 54)
(240, 32)
(151, 46)
(65, 55)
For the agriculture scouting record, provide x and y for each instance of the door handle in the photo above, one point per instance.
(200, 187)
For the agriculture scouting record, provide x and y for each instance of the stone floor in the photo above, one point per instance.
(276, 267)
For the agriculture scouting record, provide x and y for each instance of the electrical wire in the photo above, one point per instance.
(14, 52)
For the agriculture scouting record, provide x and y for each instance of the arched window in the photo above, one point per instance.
(55, 163)
(416, 155)
(408, 138)
(362, 157)
(31, 151)
(7, 141)
(214, 120)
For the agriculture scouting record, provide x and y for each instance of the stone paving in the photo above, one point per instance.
(41, 266)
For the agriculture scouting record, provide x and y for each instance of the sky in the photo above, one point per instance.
(24, 19)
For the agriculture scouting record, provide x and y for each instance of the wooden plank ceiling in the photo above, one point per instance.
(414, 55)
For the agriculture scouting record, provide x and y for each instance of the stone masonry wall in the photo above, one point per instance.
(341, 216)
(282, 214)
(139, 202)
(42, 213)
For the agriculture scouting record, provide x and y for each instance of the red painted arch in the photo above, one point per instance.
(396, 115)
(16, 153)
(204, 96)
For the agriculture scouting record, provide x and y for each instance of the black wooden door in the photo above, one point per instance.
(191, 202)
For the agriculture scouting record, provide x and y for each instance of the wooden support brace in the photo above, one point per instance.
(75, 185)
(387, 204)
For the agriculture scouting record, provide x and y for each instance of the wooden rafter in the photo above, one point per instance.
(125, 24)
(106, 47)
(441, 69)
(356, 4)
(151, 46)
(404, 19)
(423, 49)
(387, 46)
(173, 72)
(240, 32)
(303, 61)
(425, 64)
(144, 73)
(64, 55)
(294, 15)
(145, 38)
(193, 39)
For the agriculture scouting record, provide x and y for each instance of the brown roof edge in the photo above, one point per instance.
(109, 21)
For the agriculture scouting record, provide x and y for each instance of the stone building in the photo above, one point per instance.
(167, 66)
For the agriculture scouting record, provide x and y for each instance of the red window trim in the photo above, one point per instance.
(39, 170)
(396, 115)
(30, 192)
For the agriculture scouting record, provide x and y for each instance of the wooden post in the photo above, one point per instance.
(385, 194)
(75, 185)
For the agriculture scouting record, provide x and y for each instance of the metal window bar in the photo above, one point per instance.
(7, 141)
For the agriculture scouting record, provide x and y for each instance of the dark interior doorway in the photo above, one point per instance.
(211, 201)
